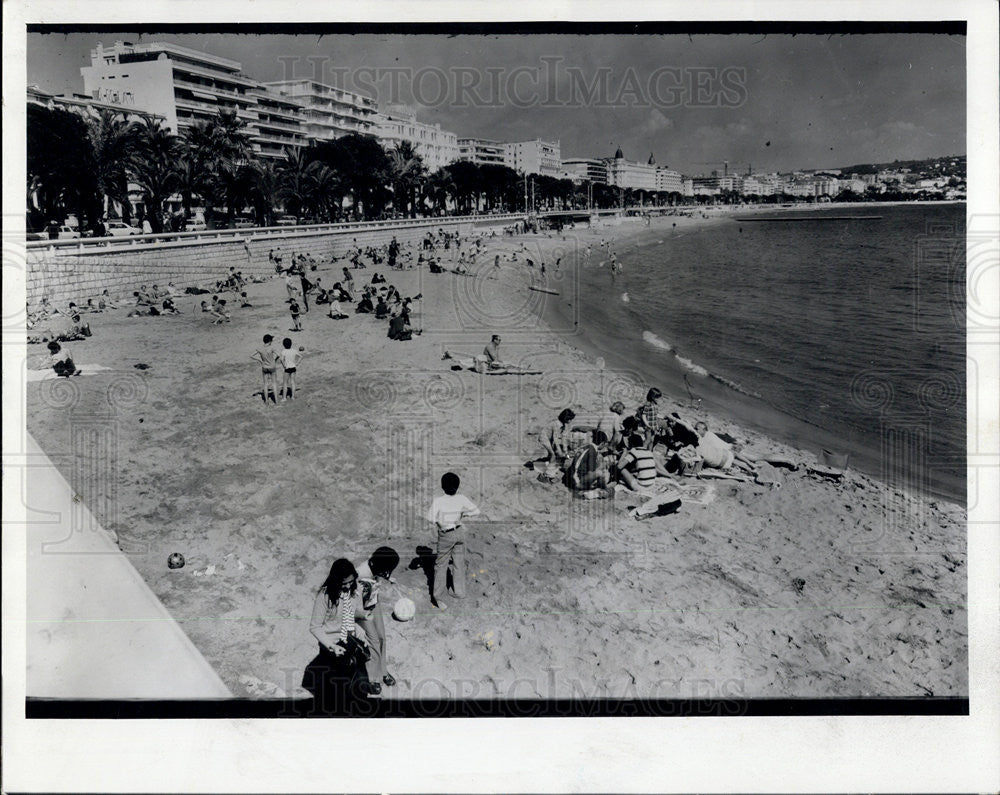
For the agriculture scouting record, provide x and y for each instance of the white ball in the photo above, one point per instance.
(404, 609)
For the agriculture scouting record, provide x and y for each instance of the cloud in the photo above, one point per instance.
(656, 122)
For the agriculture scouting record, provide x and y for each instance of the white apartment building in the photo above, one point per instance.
(762, 184)
(668, 180)
(328, 112)
(280, 124)
(398, 123)
(586, 169)
(720, 184)
(624, 173)
(182, 85)
(482, 152)
(534, 157)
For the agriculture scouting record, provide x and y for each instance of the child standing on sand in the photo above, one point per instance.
(268, 358)
(446, 513)
(289, 361)
(296, 320)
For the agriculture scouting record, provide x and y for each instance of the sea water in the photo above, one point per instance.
(847, 335)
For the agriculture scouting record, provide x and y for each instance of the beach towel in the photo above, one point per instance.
(703, 494)
(85, 369)
(469, 363)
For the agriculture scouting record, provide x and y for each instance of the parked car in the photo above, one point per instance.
(196, 225)
(286, 220)
(68, 232)
(120, 229)
(242, 222)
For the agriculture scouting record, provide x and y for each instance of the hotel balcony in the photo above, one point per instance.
(263, 123)
(219, 76)
(192, 86)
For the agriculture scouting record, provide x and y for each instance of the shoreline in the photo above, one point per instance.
(261, 500)
(723, 401)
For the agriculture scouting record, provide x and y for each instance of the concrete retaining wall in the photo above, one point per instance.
(64, 275)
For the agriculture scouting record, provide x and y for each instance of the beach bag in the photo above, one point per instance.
(690, 462)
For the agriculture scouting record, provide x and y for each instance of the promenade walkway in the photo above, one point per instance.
(94, 628)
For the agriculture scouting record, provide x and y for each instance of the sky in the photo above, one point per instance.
(771, 101)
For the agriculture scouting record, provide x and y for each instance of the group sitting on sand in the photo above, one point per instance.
(635, 450)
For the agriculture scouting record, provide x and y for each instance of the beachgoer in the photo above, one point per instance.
(637, 466)
(337, 677)
(293, 308)
(291, 285)
(62, 360)
(399, 327)
(492, 353)
(555, 439)
(648, 414)
(289, 359)
(268, 358)
(611, 423)
(716, 453)
(588, 469)
(377, 569)
(219, 311)
(674, 434)
(446, 513)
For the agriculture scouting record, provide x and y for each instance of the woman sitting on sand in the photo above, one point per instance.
(556, 438)
(337, 677)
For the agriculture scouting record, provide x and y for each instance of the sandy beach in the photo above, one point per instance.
(816, 588)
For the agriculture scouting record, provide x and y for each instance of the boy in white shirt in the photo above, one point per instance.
(289, 359)
(447, 512)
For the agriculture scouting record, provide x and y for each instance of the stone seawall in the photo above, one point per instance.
(64, 275)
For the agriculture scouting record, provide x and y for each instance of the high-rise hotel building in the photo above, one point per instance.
(183, 86)
(437, 147)
(329, 112)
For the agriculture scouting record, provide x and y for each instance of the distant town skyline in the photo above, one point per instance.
(776, 102)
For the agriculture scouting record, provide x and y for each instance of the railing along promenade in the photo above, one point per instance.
(101, 245)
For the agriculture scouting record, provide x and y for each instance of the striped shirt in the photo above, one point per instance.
(641, 463)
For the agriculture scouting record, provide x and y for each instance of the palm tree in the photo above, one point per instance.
(439, 188)
(297, 180)
(60, 167)
(231, 137)
(233, 184)
(407, 173)
(153, 167)
(328, 197)
(266, 183)
(198, 159)
(113, 140)
(362, 167)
